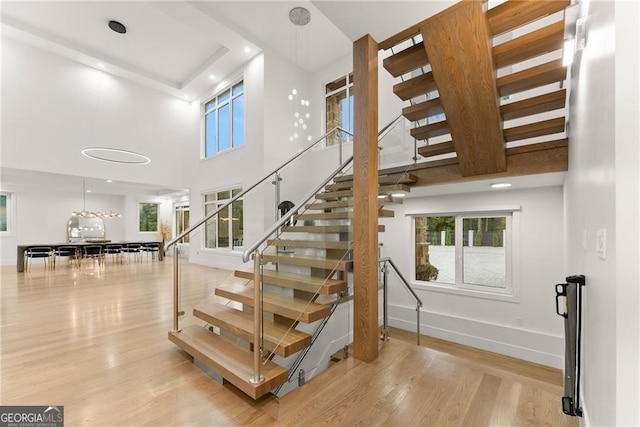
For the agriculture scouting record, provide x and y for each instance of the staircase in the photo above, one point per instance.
(304, 274)
(489, 108)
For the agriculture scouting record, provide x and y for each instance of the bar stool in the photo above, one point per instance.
(37, 252)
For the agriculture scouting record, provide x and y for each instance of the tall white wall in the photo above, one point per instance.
(528, 328)
(601, 193)
(53, 107)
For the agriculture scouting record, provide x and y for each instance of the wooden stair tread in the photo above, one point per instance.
(513, 14)
(283, 305)
(235, 364)
(278, 338)
(431, 130)
(322, 229)
(324, 263)
(321, 205)
(544, 74)
(315, 285)
(384, 213)
(423, 110)
(382, 180)
(535, 43)
(415, 86)
(546, 127)
(314, 244)
(406, 60)
(437, 149)
(537, 104)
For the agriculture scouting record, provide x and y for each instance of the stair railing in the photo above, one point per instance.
(385, 263)
(173, 243)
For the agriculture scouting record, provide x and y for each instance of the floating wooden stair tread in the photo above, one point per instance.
(537, 104)
(544, 74)
(324, 263)
(283, 305)
(339, 215)
(315, 285)
(382, 180)
(535, 43)
(437, 149)
(546, 127)
(513, 14)
(423, 110)
(278, 338)
(235, 364)
(321, 206)
(322, 229)
(406, 60)
(316, 244)
(431, 130)
(416, 86)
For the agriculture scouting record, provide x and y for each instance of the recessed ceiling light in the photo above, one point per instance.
(100, 65)
(212, 77)
(247, 49)
(398, 195)
(501, 185)
(88, 191)
(109, 180)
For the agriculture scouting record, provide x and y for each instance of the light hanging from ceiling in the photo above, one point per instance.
(112, 154)
(84, 213)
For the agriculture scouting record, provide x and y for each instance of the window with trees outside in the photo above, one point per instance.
(224, 120)
(4, 212)
(339, 108)
(148, 217)
(182, 221)
(225, 230)
(465, 251)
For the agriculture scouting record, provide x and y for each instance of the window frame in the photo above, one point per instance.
(217, 202)
(179, 210)
(511, 293)
(157, 230)
(227, 101)
(348, 88)
(10, 213)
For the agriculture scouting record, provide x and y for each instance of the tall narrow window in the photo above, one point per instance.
(182, 221)
(224, 120)
(4, 212)
(225, 230)
(148, 217)
(339, 108)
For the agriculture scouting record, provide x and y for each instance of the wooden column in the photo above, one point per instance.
(365, 199)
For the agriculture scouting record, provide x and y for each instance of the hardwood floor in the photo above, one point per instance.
(95, 341)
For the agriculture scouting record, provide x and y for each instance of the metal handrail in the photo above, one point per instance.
(243, 192)
(246, 255)
(388, 260)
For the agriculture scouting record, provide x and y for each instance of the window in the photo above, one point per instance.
(224, 120)
(148, 217)
(465, 251)
(5, 208)
(339, 108)
(182, 221)
(225, 230)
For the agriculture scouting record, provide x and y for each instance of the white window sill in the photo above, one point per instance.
(468, 292)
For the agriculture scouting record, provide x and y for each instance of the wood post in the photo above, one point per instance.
(365, 199)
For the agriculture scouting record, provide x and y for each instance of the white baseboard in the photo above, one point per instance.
(523, 344)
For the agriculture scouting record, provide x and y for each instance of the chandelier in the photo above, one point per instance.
(84, 213)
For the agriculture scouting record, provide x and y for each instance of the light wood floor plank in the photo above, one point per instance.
(96, 342)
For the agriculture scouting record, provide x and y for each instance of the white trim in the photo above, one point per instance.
(11, 213)
(533, 346)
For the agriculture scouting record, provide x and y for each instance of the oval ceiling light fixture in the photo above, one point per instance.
(116, 155)
(501, 185)
(117, 27)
